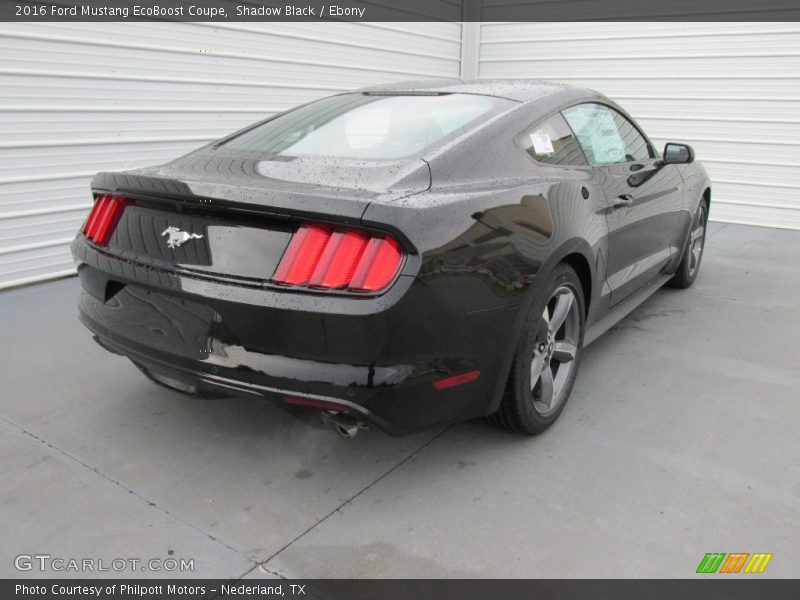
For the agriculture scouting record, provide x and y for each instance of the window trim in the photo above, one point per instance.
(519, 137)
(651, 149)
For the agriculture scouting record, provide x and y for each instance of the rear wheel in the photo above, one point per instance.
(546, 361)
(690, 263)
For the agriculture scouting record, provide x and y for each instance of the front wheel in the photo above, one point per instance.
(546, 361)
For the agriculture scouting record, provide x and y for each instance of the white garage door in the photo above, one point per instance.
(732, 90)
(76, 98)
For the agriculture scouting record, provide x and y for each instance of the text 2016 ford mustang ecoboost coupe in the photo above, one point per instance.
(405, 255)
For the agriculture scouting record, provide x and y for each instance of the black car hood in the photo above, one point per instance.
(307, 183)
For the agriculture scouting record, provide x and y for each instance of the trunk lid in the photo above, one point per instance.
(230, 216)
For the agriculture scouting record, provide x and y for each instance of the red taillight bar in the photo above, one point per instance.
(104, 218)
(320, 257)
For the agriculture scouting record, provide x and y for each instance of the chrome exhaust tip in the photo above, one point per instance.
(345, 425)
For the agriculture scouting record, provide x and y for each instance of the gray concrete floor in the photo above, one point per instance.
(681, 438)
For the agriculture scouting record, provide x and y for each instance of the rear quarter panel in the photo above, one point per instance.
(494, 220)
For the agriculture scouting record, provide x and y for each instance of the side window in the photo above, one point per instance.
(552, 142)
(605, 135)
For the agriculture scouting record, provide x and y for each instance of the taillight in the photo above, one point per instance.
(104, 218)
(321, 257)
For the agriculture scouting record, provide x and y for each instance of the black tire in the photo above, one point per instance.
(522, 409)
(689, 266)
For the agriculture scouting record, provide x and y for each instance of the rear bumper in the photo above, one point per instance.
(375, 358)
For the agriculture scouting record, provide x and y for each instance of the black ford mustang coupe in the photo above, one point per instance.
(405, 255)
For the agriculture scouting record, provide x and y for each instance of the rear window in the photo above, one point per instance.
(381, 127)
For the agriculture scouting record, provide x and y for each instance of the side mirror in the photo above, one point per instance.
(678, 154)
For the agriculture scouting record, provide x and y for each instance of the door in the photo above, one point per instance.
(644, 197)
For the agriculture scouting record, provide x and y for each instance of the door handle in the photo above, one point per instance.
(623, 200)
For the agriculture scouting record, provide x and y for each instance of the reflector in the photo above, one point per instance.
(454, 380)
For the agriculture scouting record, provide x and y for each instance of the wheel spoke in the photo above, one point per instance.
(564, 351)
(536, 369)
(561, 310)
(545, 322)
(697, 233)
(555, 350)
(546, 387)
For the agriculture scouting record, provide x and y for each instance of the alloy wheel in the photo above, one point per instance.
(696, 241)
(555, 350)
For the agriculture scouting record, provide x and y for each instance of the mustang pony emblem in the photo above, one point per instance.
(178, 237)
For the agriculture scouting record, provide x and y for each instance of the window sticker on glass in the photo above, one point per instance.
(542, 144)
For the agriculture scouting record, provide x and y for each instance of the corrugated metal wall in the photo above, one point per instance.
(732, 90)
(76, 98)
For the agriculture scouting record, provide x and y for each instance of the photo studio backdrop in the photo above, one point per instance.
(76, 98)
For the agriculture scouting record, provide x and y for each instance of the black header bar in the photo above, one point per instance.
(714, 588)
(400, 10)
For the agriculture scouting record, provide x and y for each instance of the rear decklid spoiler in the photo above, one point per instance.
(314, 184)
(238, 215)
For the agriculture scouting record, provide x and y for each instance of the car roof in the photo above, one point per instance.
(519, 90)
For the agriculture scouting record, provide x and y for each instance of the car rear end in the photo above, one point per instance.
(245, 266)
(307, 309)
